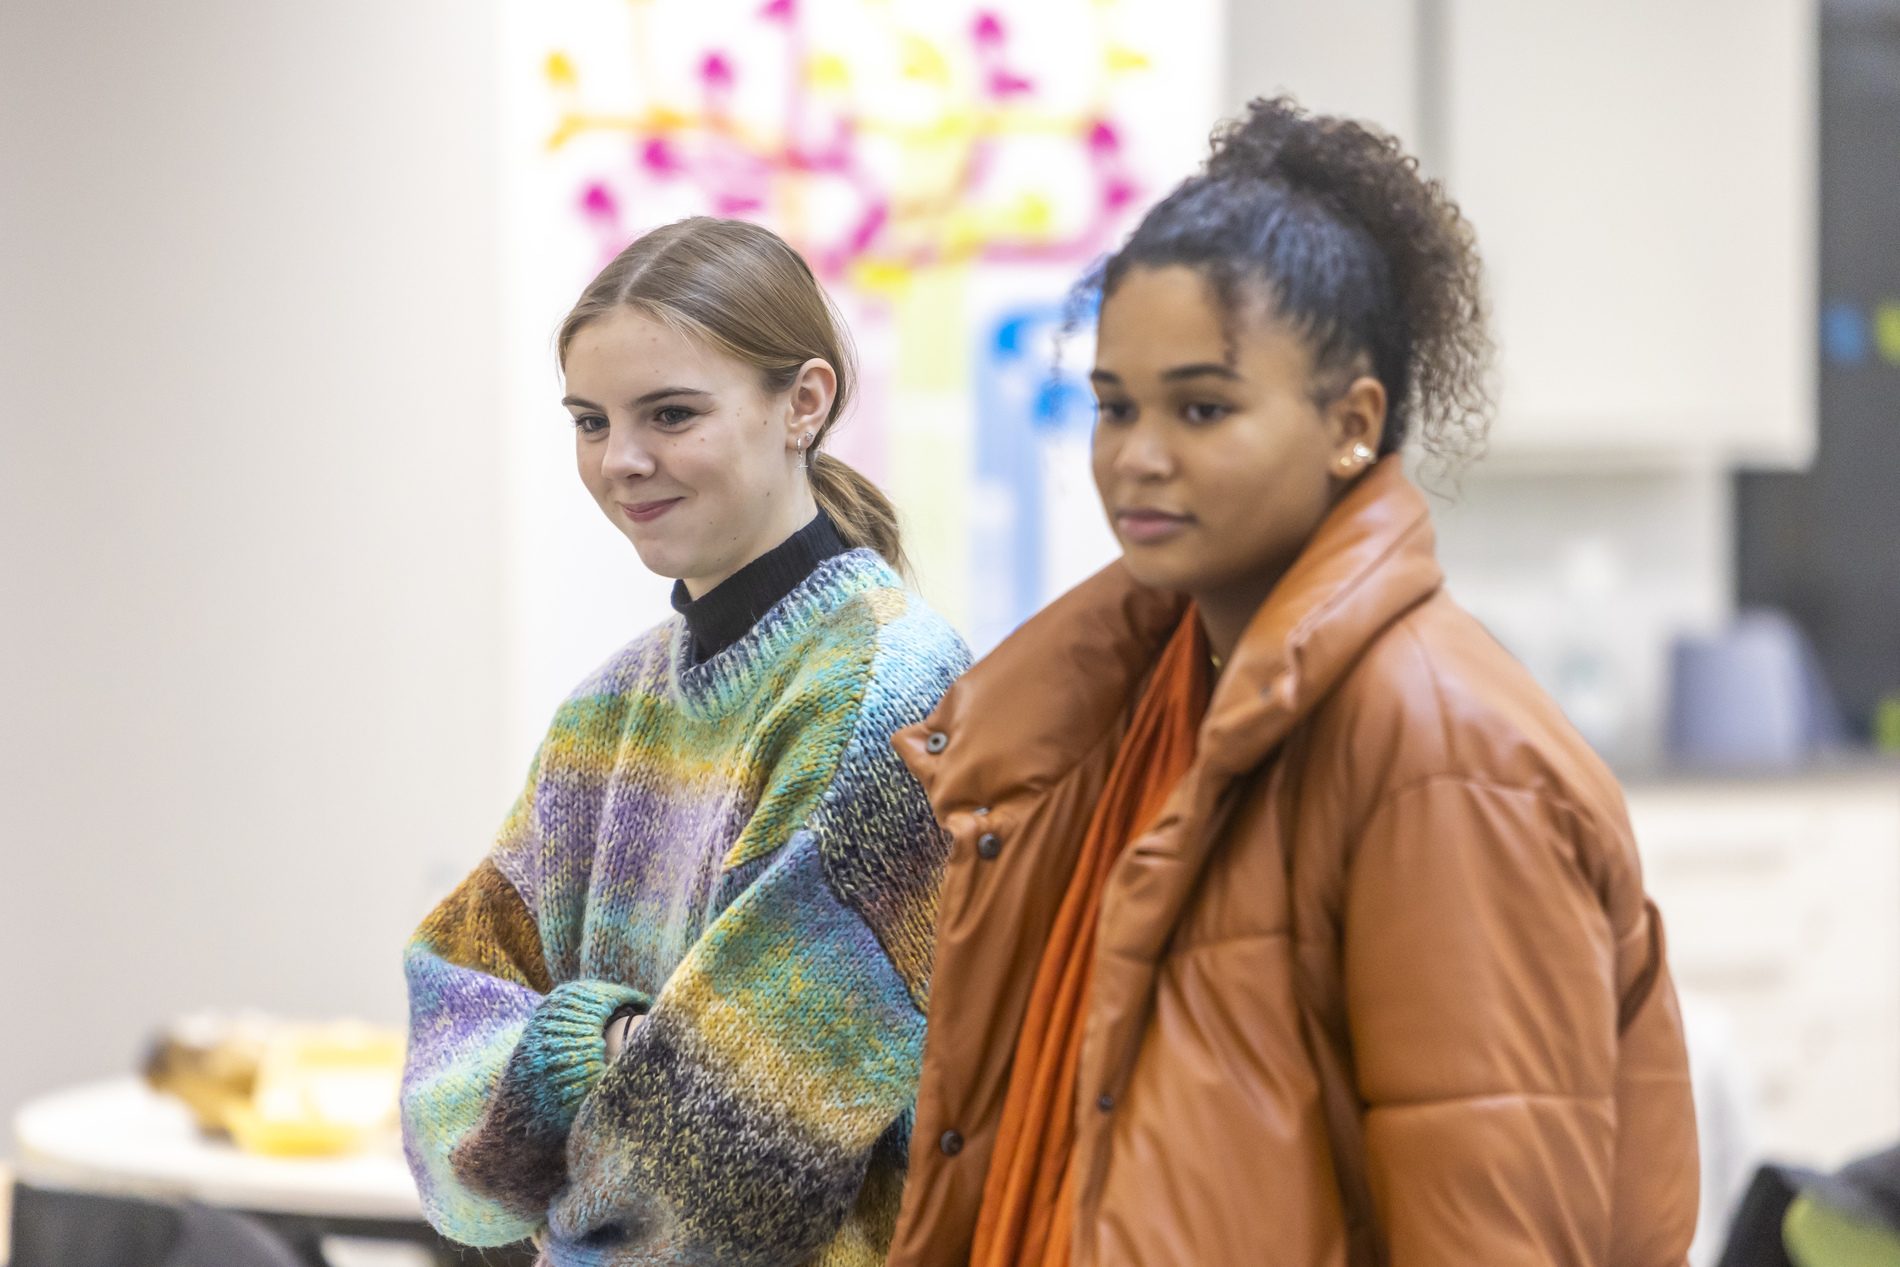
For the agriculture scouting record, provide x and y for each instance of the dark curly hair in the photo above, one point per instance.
(1369, 261)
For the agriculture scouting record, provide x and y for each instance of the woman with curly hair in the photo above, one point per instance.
(1286, 920)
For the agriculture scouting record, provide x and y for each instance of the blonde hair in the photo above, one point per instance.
(745, 291)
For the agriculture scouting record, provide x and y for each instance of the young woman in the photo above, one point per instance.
(677, 1014)
(1286, 920)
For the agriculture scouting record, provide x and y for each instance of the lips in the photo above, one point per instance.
(1146, 526)
(647, 512)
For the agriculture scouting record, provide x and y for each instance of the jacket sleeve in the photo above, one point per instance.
(1482, 1002)
(738, 1124)
(499, 1057)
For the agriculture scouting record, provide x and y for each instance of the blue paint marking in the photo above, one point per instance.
(1844, 334)
(1024, 404)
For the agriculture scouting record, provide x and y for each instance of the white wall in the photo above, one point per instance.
(1351, 57)
(1588, 576)
(250, 662)
(1659, 530)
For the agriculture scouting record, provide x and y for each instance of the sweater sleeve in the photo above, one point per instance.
(1482, 999)
(499, 1058)
(738, 1125)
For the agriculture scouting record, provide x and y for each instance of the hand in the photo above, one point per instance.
(619, 1030)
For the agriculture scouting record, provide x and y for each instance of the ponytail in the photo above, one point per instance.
(863, 514)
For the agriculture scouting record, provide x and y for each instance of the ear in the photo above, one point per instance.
(809, 398)
(1355, 425)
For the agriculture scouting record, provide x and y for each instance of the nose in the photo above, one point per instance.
(626, 457)
(1141, 453)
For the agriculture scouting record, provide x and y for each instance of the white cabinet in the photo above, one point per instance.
(1642, 179)
(1642, 176)
(1781, 901)
(1351, 57)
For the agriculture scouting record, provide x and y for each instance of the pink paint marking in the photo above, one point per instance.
(598, 202)
(875, 217)
(716, 71)
(658, 158)
(738, 181)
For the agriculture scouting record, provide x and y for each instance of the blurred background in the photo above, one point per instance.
(295, 567)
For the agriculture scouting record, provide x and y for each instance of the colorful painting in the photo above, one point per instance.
(949, 169)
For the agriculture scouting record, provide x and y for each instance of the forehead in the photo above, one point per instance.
(1160, 318)
(628, 347)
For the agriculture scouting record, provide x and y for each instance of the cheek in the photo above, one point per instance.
(587, 461)
(1101, 459)
(1226, 477)
(1257, 493)
(701, 460)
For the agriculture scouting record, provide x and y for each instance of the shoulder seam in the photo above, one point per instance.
(1473, 783)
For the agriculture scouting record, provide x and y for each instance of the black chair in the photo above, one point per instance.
(73, 1229)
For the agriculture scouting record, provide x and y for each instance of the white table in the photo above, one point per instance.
(121, 1138)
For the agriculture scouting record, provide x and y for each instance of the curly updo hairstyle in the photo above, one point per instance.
(1329, 222)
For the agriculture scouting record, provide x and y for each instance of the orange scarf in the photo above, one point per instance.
(1028, 1199)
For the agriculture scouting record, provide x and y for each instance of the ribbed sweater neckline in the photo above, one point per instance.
(723, 682)
(725, 613)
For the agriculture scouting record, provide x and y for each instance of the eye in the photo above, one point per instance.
(1202, 412)
(1115, 411)
(674, 417)
(590, 424)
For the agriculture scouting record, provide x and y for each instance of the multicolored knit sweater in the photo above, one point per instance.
(732, 847)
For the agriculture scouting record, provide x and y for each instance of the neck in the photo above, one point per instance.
(801, 509)
(724, 615)
(1227, 609)
(1226, 613)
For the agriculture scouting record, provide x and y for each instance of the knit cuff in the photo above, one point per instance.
(516, 1156)
(563, 1050)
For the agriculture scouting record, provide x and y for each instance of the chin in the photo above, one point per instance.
(663, 559)
(1154, 569)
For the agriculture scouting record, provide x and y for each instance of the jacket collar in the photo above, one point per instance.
(1372, 560)
(1057, 689)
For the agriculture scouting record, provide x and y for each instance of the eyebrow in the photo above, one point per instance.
(638, 401)
(1199, 370)
(1204, 368)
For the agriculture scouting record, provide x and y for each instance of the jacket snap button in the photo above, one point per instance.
(937, 742)
(1106, 1104)
(989, 844)
(951, 1143)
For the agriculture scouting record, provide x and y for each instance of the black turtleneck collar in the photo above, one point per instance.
(726, 612)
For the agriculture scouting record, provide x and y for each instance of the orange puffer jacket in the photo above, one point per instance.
(1380, 985)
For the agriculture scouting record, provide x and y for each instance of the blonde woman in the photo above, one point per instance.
(676, 1015)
